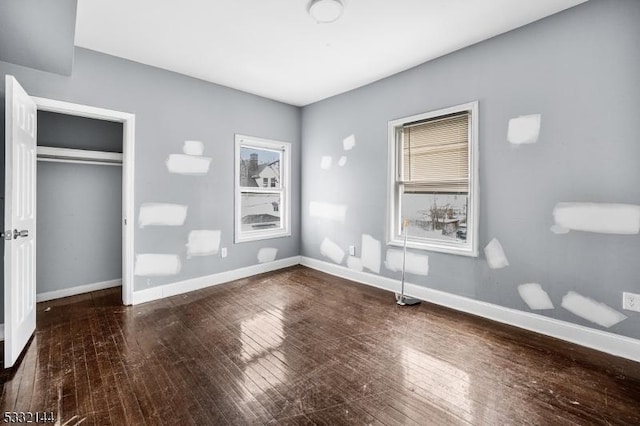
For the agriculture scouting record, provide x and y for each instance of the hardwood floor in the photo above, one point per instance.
(301, 347)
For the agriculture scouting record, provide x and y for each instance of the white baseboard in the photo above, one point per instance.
(603, 341)
(86, 288)
(186, 286)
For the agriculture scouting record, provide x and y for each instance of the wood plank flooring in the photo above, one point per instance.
(301, 347)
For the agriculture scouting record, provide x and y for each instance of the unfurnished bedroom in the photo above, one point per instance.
(340, 212)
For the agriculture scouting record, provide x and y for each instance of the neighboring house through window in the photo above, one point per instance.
(262, 189)
(434, 182)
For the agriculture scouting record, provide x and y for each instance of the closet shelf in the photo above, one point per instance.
(78, 156)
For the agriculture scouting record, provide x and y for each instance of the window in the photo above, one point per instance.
(434, 180)
(262, 189)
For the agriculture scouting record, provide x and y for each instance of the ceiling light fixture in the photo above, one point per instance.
(325, 11)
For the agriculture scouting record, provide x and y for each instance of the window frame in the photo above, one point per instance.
(394, 237)
(284, 190)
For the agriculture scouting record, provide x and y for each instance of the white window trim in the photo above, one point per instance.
(285, 190)
(393, 221)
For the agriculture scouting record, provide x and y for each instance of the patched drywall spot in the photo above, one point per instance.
(524, 129)
(593, 311)
(326, 162)
(331, 250)
(161, 214)
(193, 148)
(203, 242)
(342, 161)
(415, 263)
(598, 217)
(328, 211)
(495, 255)
(157, 265)
(354, 263)
(267, 254)
(349, 142)
(535, 297)
(188, 164)
(371, 253)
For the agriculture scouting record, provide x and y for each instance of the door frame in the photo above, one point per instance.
(128, 174)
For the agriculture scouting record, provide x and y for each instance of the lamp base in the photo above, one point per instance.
(406, 300)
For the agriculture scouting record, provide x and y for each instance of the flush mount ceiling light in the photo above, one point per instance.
(325, 11)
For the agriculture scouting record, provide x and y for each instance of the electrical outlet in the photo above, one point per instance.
(631, 301)
(352, 250)
(223, 252)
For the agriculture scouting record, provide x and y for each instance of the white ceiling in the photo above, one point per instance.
(273, 48)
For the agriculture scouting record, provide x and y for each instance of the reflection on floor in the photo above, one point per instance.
(301, 347)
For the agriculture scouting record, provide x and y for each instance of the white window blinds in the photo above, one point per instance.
(435, 155)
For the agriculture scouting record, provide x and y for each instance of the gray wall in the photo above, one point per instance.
(78, 225)
(171, 108)
(38, 34)
(580, 69)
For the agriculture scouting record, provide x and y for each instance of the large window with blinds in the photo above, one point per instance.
(434, 181)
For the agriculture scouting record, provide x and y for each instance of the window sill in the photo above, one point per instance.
(437, 247)
(247, 237)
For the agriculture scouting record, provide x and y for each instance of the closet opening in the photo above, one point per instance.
(85, 169)
(79, 205)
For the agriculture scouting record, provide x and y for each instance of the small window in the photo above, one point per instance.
(433, 190)
(262, 189)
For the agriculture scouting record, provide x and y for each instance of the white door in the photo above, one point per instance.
(19, 221)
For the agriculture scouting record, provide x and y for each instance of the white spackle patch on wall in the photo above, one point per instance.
(524, 129)
(415, 263)
(326, 162)
(349, 142)
(495, 255)
(591, 310)
(267, 254)
(193, 148)
(371, 253)
(598, 217)
(203, 242)
(160, 214)
(354, 263)
(342, 161)
(535, 297)
(188, 164)
(328, 211)
(331, 250)
(157, 265)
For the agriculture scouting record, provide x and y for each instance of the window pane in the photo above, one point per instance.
(259, 167)
(260, 211)
(436, 215)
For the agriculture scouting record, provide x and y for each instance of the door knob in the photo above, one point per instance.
(23, 233)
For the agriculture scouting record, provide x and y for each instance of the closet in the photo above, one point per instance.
(79, 205)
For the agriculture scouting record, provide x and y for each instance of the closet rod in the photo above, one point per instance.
(70, 161)
(78, 156)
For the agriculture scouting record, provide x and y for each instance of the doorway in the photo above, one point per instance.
(94, 155)
(79, 205)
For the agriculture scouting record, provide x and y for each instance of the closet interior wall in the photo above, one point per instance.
(79, 205)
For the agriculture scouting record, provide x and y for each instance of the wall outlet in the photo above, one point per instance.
(223, 252)
(352, 250)
(631, 301)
